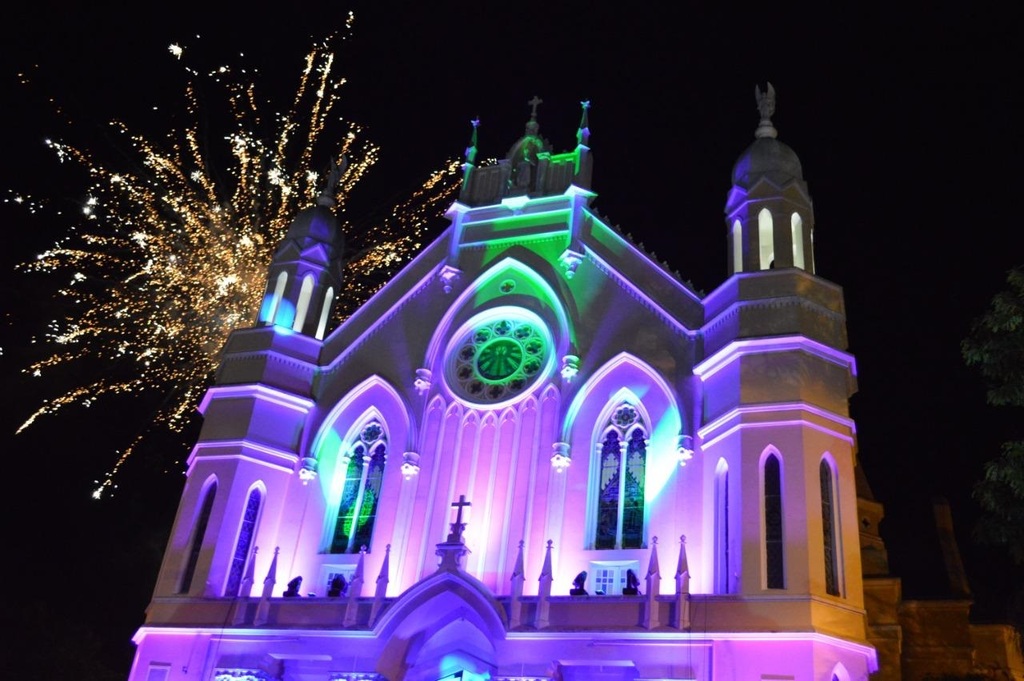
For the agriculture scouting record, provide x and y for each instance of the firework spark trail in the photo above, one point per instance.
(167, 259)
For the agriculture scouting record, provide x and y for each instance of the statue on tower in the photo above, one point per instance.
(524, 156)
(766, 107)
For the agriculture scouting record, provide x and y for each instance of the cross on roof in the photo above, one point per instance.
(460, 504)
(455, 536)
(534, 102)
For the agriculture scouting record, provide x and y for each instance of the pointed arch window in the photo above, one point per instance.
(196, 541)
(273, 299)
(305, 295)
(622, 469)
(243, 547)
(325, 313)
(364, 474)
(797, 233)
(828, 528)
(722, 528)
(766, 239)
(773, 547)
(737, 246)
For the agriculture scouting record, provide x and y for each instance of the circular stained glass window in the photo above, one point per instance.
(498, 359)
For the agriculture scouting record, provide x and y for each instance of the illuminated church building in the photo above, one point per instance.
(535, 454)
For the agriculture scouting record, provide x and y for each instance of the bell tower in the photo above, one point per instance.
(305, 274)
(768, 214)
(777, 437)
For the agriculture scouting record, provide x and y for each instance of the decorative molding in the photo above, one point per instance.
(570, 260)
(449, 276)
(570, 367)
(410, 465)
(423, 380)
(561, 459)
(307, 469)
(241, 675)
(684, 449)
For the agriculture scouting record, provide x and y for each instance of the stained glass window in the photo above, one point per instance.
(773, 523)
(828, 529)
(196, 543)
(621, 475)
(360, 495)
(497, 360)
(244, 543)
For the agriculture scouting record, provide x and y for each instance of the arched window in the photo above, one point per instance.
(196, 541)
(765, 239)
(737, 246)
(273, 300)
(797, 233)
(773, 547)
(621, 476)
(305, 294)
(364, 473)
(722, 528)
(325, 313)
(243, 547)
(828, 528)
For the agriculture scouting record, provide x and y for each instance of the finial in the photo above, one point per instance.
(766, 107)
(583, 134)
(330, 190)
(471, 149)
(534, 103)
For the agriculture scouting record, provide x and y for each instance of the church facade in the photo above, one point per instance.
(535, 454)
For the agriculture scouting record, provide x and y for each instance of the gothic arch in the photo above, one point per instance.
(444, 614)
(196, 530)
(245, 537)
(373, 394)
(527, 289)
(773, 514)
(602, 388)
(828, 473)
(840, 673)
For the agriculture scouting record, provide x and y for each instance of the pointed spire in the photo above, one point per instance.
(355, 588)
(518, 570)
(245, 590)
(766, 107)
(271, 579)
(515, 617)
(652, 611)
(653, 569)
(471, 149)
(583, 134)
(263, 609)
(545, 570)
(382, 585)
(681, 617)
(683, 568)
(544, 593)
(383, 578)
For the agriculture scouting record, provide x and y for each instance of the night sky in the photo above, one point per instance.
(907, 125)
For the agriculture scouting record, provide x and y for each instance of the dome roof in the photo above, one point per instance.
(767, 157)
(316, 223)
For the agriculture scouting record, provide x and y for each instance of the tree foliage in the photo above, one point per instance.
(996, 347)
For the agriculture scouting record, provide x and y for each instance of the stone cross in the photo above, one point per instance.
(458, 525)
(534, 102)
